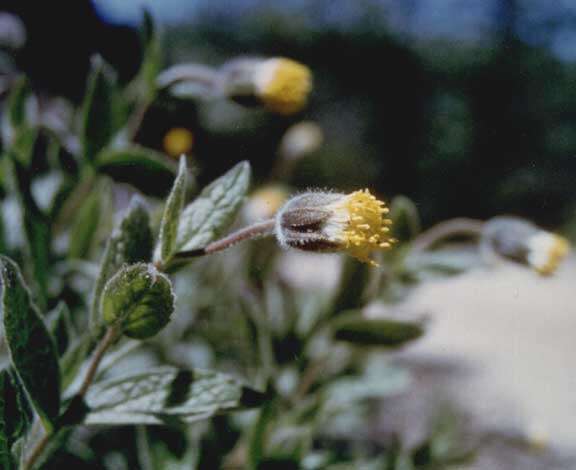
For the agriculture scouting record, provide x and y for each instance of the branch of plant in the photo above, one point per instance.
(443, 230)
(257, 230)
(107, 340)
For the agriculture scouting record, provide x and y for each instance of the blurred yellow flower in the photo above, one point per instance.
(178, 141)
(282, 84)
(265, 202)
(546, 251)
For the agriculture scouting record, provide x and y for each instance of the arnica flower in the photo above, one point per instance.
(178, 141)
(329, 222)
(282, 84)
(521, 241)
(546, 251)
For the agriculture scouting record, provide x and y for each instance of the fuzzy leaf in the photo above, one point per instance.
(143, 168)
(84, 232)
(99, 114)
(32, 351)
(168, 395)
(171, 215)
(15, 416)
(130, 242)
(61, 327)
(203, 220)
(354, 328)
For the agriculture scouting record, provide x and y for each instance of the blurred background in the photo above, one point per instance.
(465, 106)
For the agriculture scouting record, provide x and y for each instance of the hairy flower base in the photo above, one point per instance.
(328, 222)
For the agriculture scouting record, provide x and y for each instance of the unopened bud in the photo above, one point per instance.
(138, 299)
(281, 85)
(331, 222)
(521, 241)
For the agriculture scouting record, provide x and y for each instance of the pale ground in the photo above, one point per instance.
(502, 345)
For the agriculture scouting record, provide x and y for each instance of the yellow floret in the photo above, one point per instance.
(366, 228)
(547, 251)
(283, 85)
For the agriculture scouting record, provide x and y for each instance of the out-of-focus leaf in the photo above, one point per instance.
(203, 220)
(352, 285)
(73, 358)
(355, 328)
(18, 133)
(387, 382)
(444, 262)
(61, 328)
(32, 350)
(406, 220)
(171, 215)
(15, 417)
(88, 221)
(99, 114)
(143, 168)
(130, 242)
(168, 395)
(37, 231)
(152, 56)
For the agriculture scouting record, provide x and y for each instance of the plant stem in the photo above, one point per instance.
(449, 228)
(257, 230)
(108, 339)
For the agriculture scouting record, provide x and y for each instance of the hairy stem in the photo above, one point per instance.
(257, 230)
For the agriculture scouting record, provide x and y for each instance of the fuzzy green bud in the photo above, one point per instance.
(139, 299)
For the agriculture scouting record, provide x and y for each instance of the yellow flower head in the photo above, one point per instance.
(178, 141)
(546, 251)
(355, 223)
(282, 84)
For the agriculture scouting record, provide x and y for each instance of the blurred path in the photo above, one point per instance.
(503, 345)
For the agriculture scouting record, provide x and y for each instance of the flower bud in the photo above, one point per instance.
(521, 241)
(139, 299)
(279, 84)
(331, 222)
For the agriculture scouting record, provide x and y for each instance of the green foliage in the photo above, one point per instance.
(353, 327)
(139, 300)
(130, 242)
(99, 117)
(213, 210)
(168, 396)
(171, 216)
(32, 350)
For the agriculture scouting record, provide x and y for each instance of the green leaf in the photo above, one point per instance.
(99, 114)
(168, 395)
(405, 218)
(212, 211)
(355, 328)
(130, 242)
(32, 351)
(139, 299)
(87, 222)
(37, 231)
(143, 168)
(171, 215)
(60, 326)
(351, 289)
(15, 417)
(152, 55)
